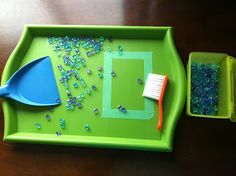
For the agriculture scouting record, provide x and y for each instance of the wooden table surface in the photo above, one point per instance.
(201, 146)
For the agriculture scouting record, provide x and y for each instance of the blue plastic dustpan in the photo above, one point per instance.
(33, 84)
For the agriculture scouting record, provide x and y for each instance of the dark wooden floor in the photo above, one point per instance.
(201, 146)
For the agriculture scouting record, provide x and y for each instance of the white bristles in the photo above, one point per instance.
(153, 86)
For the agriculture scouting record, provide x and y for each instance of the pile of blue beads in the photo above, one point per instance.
(69, 48)
(69, 44)
(204, 88)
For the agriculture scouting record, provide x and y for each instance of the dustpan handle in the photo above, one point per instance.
(4, 91)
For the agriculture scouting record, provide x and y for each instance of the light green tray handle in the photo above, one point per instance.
(233, 87)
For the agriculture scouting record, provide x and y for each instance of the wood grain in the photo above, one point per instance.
(201, 146)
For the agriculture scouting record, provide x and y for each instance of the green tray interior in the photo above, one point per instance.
(20, 119)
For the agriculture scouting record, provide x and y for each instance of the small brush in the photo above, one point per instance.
(155, 88)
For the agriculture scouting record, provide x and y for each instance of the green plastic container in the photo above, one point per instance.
(145, 49)
(226, 93)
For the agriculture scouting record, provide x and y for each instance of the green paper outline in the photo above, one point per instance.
(107, 110)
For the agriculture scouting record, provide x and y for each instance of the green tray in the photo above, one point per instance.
(146, 49)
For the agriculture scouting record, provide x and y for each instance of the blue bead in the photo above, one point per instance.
(100, 68)
(59, 67)
(88, 91)
(63, 126)
(86, 127)
(109, 49)
(95, 110)
(37, 125)
(50, 108)
(75, 85)
(80, 99)
(119, 107)
(120, 48)
(73, 99)
(79, 105)
(101, 39)
(58, 133)
(88, 54)
(140, 81)
(83, 62)
(123, 110)
(100, 75)
(113, 74)
(58, 100)
(82, 95)
(89, 71)
(94, 87)
(92, 52)
(48, 117)
(50, 41)
(120, 53)
(110, 39)
(62, 120)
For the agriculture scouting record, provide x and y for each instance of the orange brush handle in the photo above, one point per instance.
(159, 126)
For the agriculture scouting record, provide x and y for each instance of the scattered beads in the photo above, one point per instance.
(69, 48)
(140, 81)
(95, 110)
(37, 125)
(204, 88)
